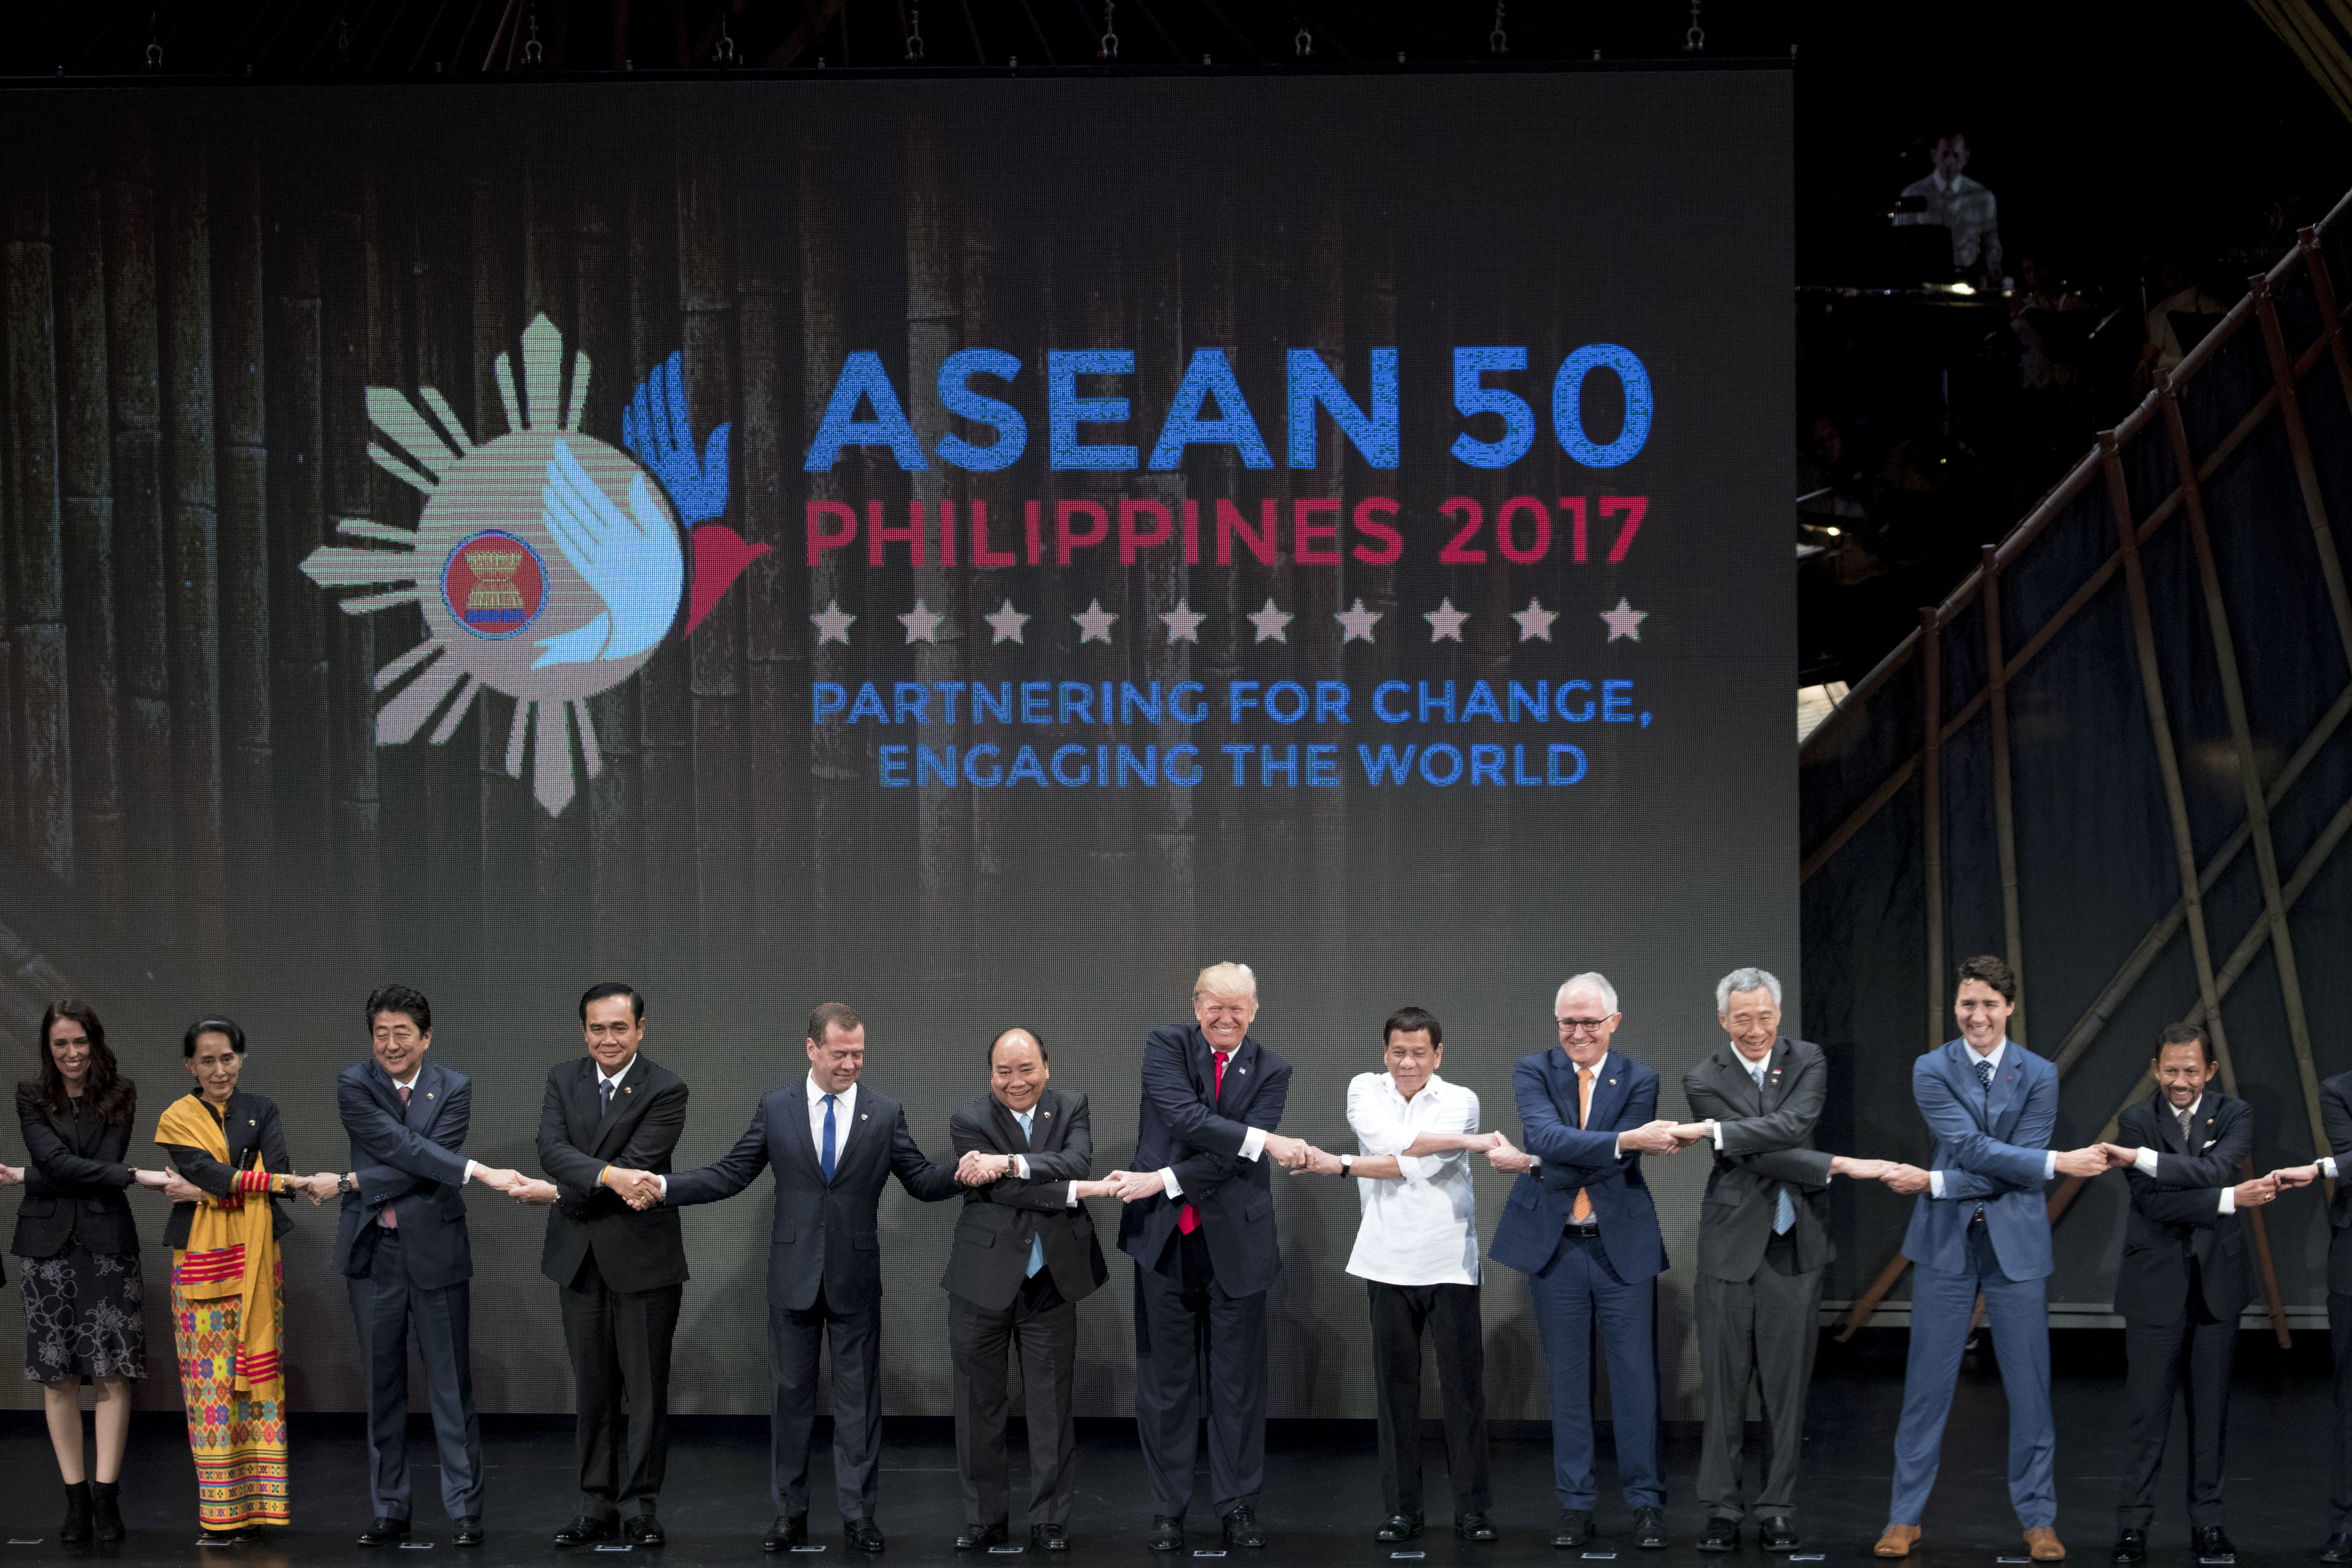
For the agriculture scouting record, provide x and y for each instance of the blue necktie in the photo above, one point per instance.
(1984, 1074)
(1036, 1242)
(824, 1155)
(1784, 1213)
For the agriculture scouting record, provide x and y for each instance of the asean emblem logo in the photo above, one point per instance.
(548, 565)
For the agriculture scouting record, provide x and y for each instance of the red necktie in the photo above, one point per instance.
(385, 1216)
(1187, 1221)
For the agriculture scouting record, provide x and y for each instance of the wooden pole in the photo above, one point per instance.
(1931, 816)
(497, 796)
(356, 346)
(249, 817)
(836, 794)
(41, 746)
(298, 524)
(775, 639)
(2004, 819)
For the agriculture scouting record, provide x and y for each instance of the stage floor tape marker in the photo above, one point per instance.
(808, 1548)
(1006, 1550)
(1205, 1552)
(2013, 1559)
(1808, 1556)
(632, 1546)
(417, 1546)
(1402, 1556)
(1601, 1557)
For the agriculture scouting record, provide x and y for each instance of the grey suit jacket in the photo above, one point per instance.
(1767, 1144)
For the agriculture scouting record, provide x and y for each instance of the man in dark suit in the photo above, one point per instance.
(2336, 1124)
(1763, 1240)
(832, 1144)
(620, 1270)
(1200, 1224)
(1024, 1256)
(2185, 1277)
(1581, 1224)
(1981, 1227)
(400, 1241)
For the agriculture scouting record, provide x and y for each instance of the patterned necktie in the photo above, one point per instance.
(603, 1095)
(1036, 1242)
(1984, 1073)
(1784, 1213)
(385, 1216)
(1187, 1221)
(1582, 1213)
(824, 1151)
(2184, 1115)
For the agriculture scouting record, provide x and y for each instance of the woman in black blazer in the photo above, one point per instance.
(77, 1248)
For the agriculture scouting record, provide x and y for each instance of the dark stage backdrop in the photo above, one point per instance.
(1107, 526)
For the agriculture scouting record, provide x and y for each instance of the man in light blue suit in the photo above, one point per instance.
(1982, 1227)
(1581, 1224)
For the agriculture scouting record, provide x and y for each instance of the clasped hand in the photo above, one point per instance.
(641, 1190)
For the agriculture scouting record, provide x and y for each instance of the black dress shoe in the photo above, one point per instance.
(1473, 1527)
(1241, 1527)
(645, 1531)
(467, 1530)
(2213, 1544)
(977, 1535)
(861, 1535)
(1399, 1527)
(2338, 1548)
(2131, 1546)
(1575, 1527)
(384, 1533)
(586, 1531)
(1048, 1538)
(1167, 1532)
(1778, 1534)
(1720, 1535)
(788, 1531)
(1650, 1527)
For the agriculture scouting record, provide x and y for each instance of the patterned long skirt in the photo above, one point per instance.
(239, 1442)
(82, 1316)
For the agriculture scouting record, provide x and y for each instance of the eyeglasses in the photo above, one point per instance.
(1583, 1025)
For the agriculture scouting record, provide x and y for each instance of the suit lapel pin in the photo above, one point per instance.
(861, 1116)
(1613, 1082)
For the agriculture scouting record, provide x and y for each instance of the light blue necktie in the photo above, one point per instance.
(1036, 1242)
(1784, 1213)
(824, 1155)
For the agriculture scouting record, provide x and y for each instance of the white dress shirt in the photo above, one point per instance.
(1253, 1142)
(1422, 1228)
(2145, 1160)
(2048, 1164)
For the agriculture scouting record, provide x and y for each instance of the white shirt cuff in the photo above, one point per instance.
(2328, 1166)
(2145, 1164)
(1021, 1166)
(663, 1182)
(1168, 1180)
(2050, 1166)
(1253, 1143)
(1070, 1196)
(1714, 1131)
(2228, 1200)
(1935, 1183)
(471, 1166)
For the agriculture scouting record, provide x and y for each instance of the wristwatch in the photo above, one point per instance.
(1347, 1164)
(343, 1183)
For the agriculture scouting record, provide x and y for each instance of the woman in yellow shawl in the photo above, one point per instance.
(228, 1150)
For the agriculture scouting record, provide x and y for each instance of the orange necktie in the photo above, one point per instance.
(1582, 1213)
(1187, 1222)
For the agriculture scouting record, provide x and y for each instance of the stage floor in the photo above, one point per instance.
(1322, 1496)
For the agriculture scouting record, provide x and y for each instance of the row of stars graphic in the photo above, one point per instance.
(1270, 622)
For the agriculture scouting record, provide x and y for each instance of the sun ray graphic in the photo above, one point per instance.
(516, 598)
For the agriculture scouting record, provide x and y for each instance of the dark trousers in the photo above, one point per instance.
(1188, 1333)
(1451, 1314)
(2339, 1340)
(386, 1305)
(620, 1343)
(1576, 1293)
(1042, 1330)
(1763, 1330)
(793, 1340)
(2192, 1354)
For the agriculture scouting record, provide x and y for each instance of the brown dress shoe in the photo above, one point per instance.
(2042, 1544)
(1898, 1540)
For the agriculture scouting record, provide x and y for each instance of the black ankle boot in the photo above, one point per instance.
(106, 1502)
(76, 1528)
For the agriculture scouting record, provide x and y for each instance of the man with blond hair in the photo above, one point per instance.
(1200, 1226)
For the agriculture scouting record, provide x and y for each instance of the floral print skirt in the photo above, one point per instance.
(82, 1316)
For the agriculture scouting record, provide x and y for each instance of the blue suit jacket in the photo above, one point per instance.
(1624, 1097)
(1992, 1147)
(412, 1162)
(1186, 1126)
(826, 1233)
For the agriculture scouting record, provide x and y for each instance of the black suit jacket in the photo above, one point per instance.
(74, 1182)
(2176, 1214)
(577, 1139)
(825, 1233)
(249, 1121)
(1186, 1125)
(412, 1162)
(1767, 1144)
(999, 1221)
(2335, 1121)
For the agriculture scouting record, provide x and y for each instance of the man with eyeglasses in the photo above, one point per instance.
(1581, 1224)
